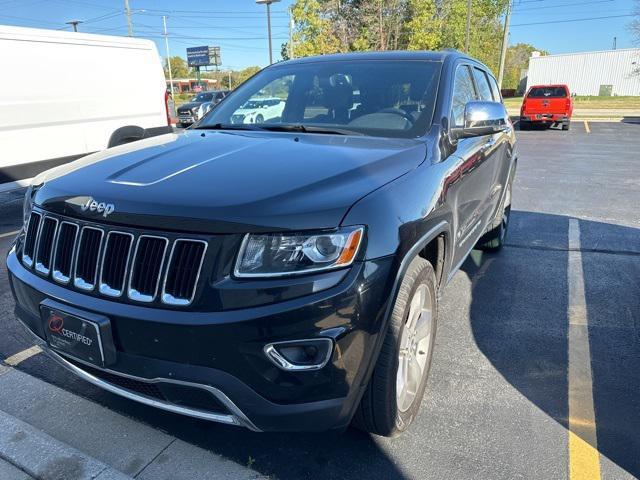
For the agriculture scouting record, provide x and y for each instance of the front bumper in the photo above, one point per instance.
(186, 118)
(221, 354)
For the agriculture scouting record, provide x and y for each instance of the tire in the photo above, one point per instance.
(386, 408)
(495, 238)
(259, 119)
(524, 125)
(566, 125)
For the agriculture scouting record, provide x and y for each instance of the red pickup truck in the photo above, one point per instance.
(547, 105)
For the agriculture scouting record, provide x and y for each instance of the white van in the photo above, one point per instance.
(65, 94)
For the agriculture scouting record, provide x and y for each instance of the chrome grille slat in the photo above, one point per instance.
(44, 247)
(87, 258)
(107, 262)
(116, 257)
(63, 251)
(31, 240)
(147, 263)
(183, 271)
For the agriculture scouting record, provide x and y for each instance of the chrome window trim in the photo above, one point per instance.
(132, 293)
(103, 287)
(170, 299)
(38, 266)
(26, 259)
(78, 282)
(56, 274)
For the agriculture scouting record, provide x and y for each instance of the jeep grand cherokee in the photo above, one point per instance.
(281, 276)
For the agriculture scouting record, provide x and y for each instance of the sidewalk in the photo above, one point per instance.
(51, 434)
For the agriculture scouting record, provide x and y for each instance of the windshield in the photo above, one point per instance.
(393, 98)
(203, 97)
(547, 92)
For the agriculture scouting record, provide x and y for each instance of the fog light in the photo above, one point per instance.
(300, 355)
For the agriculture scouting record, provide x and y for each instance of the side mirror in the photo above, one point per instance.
(483, 118)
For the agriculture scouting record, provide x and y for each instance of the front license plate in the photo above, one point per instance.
(83, 336)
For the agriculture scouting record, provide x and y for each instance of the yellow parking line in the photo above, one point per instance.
(20, 357)
(586, 126)
(584, 459)
(9, 234)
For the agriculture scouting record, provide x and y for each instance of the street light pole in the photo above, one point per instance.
(291, 27)
(74, 24)
(166, 44)
(268, 4)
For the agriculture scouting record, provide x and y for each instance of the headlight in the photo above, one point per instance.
(270, 255)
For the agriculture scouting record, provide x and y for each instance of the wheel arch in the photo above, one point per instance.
(127, 134)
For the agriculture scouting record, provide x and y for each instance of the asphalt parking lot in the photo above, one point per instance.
(508, 385)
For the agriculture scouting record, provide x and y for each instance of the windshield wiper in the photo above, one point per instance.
(227, 126)
(274, 127)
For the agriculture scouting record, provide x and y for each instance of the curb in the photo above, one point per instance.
(43, 457)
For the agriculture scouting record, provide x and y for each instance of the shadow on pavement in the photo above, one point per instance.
(523, 329)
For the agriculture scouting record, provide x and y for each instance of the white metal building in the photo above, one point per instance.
(610, 72)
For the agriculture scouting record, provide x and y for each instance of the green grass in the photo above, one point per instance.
(589, 102)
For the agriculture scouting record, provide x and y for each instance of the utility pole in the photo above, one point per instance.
(615, 43)
(505, 44)
(291, 26)
(128, 12)
(166, 44)
(380, 25)
(74, 24)
(466, 35)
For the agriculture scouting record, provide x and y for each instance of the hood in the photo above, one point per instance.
(228, 181)
(188, 106)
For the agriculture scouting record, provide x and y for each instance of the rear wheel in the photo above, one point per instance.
(392, 399)
(524, 125)
(566, 124)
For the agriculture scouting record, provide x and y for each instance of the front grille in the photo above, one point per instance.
(113, 263)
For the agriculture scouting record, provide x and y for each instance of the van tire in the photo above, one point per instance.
(125, 135)
(379, 411)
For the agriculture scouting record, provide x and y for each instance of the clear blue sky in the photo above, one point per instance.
(239, 26)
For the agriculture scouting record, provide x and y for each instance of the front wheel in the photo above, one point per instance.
(393, 396)
(260, 119)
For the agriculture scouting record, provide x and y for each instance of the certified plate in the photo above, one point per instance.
(83, 336)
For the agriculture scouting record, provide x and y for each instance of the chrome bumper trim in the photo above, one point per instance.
(236, 418)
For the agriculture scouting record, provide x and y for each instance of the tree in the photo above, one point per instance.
(179, 68)
(329, 26)
(517, 60)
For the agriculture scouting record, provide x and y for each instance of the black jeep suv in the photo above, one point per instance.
(281, 276)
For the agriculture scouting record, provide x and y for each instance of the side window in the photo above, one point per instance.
(484, 90)
(463, 92)
(494, 88)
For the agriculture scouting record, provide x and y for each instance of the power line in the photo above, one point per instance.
(562, 5)
(572, 20)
